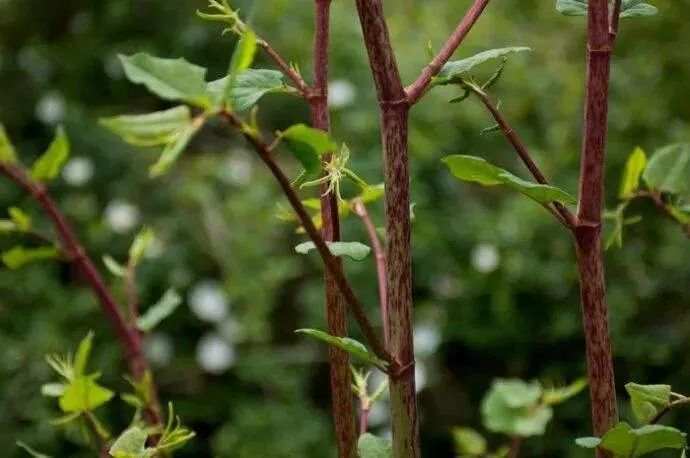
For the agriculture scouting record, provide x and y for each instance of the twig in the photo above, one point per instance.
(564, 215)
(416, 90)
(667, 409)
(380, 256)
(515, 446)
(286, 68)
(129, 337)
(330, 261)
(658, 200)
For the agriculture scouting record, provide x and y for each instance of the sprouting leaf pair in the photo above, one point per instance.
(629, 8)
(46, 168)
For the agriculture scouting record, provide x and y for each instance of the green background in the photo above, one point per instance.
(215, 215)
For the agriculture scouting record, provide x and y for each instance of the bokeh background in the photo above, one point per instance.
(494, 279)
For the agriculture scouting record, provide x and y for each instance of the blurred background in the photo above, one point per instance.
(494, 279)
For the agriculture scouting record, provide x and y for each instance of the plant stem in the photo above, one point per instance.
(667, 409)
(417, 89)
(284, 67)
(588, 230)
(330, 261)
(515, 445)
(394, 109)
(363, 419)
(380, 255)
(128, 336)
(336, 312)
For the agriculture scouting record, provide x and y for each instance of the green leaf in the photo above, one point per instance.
(669, 170)
(175, 435)
(242, 59)
(634, 167)
(588, 442)
(354, 250)
(31, 451)
(48, 166)
(83, 394)
(648, 400)
(53, 390)
(553, 396)
(454, 70)
(248, 88)
(477, 170)
(170, 79)
(629, 8)
(370, 446)
(572, 7)
(19, 256)
(353, 347)
(308, 145)
(21, 220)
(81, 358)
(467, 441)
(175, 148)
(512, 407)
(152, 129)
(7, 152)
(141, 243)
(130, 444)
(162, 309)
(114, 267)
(625, 442)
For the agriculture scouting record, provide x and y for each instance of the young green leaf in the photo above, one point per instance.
(248, 88)
(634, 168)
(669, 170)
(174, 435)
(141, 243)
(175, 148)
(7, 152)
(113, 266)
(455, 70)
(553, 396)
(512, 407)
(572, 7)
(355, 348)
(370, 446)
(83, 394)
(477, 170)
(648, 400)
(354, 250)
(170, 79)
(162, 309)
(21, 220)
(31, 451)
(468, 442)
(19, 256)
(308, 145)
(49, 165)
(242, 59)
(152, 129)
(130, 444)
(81, 358)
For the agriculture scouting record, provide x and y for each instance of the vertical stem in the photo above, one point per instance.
(588, 230)
(394, 108)
(336, 311)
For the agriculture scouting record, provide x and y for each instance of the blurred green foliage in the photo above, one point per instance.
(495, 284)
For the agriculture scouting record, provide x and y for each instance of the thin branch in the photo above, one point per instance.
(131, 292)
(416, 90)
(331, 262)
(129, 337)
(363, 418)
(564, 215)
(380, 256)
(667, 409)
(286, 68)
(515, 446)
